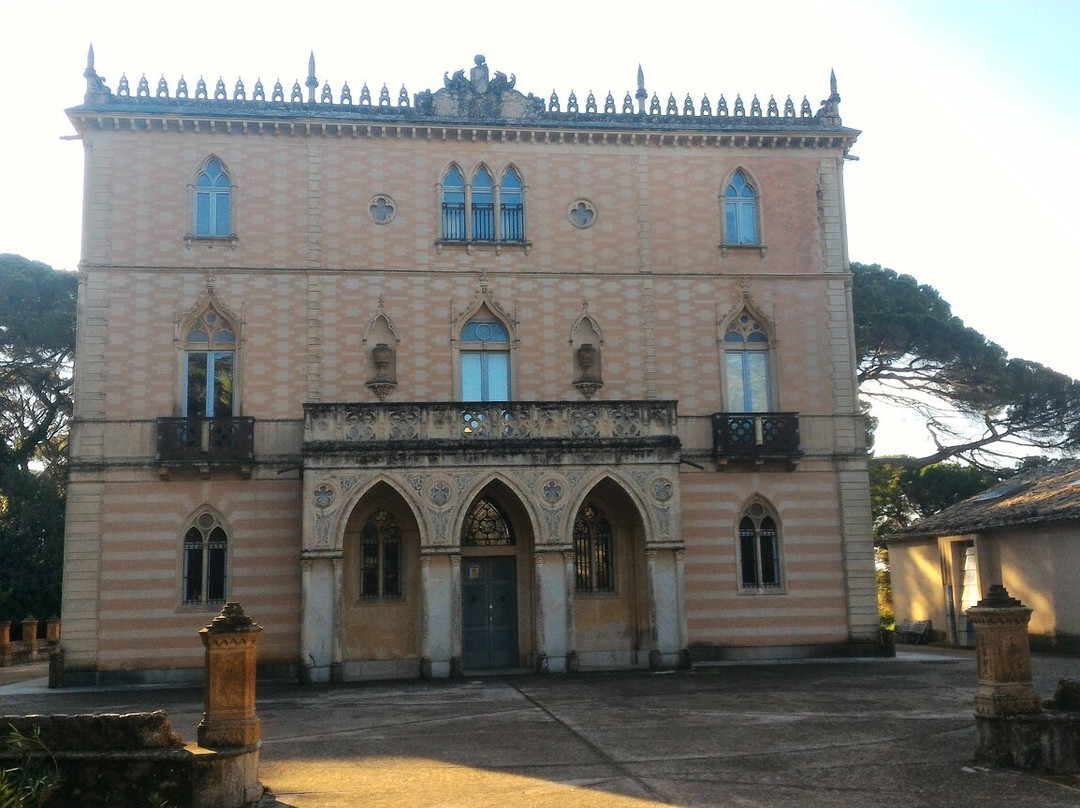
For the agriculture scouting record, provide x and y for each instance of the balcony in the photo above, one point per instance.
(757, 436)
(205, 442)
(545, 432)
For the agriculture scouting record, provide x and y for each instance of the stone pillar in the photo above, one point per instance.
(5, 642)
(231, 642)
(337, 566)
(52, 630)
(1004, 656)
(456, 649)
(29, 635)
(570, 589)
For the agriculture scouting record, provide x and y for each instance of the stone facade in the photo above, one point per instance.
(348, 295)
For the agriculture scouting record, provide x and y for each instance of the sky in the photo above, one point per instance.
(967, 175)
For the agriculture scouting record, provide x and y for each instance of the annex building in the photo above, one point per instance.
(460, 381)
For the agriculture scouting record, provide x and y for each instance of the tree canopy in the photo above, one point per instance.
(37, 345)
(911, 349)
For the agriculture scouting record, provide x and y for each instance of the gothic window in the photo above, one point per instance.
(205, 560)
(483, 206)
(482, 209)
(213, 200)
(759, 549)
(740, 211)
(485, 361)
(486, 526)
(746, 365)
(594, 560)
(453, 206)
(380, 557)
(209, 366)
(511, 206)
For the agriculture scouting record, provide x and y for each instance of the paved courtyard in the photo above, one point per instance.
(869, 733)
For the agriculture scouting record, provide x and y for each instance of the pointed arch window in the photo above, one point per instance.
(759, 549)
(746, 365)
(380, 557)
(453, 205)
(213, 200)
(483, 210)
(741, 211)
(209, 366)
(206, 547)
(512, 206)
(485, 360)
(486, 526)
(594, 558)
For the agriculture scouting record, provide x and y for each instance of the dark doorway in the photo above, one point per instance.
(489, 612)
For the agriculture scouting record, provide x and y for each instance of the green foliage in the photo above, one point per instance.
(911, 349)
(902, 490)
(37, 345)
(36, 775)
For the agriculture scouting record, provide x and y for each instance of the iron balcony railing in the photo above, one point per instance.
(756, 435)
(205, 440)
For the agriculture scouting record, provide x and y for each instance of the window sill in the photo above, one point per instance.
(742, 248)
(190, 239)
(469, 246)
(762, 590)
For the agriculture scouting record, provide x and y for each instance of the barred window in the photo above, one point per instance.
(594, 560)
(483, 210)
(205, 560)
(380, 557)
(759, 549)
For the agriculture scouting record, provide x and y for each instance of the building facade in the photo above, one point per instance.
(462, 381)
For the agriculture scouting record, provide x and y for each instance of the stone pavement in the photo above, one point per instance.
(814, 734)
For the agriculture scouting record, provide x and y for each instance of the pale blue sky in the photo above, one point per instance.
(970, 110)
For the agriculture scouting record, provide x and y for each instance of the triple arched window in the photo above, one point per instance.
(213, 201)
(741, 215)
(482, 209)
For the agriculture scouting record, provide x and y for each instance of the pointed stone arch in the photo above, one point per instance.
(381, 340)
(206, 335)
(473, 350)
(586, 346)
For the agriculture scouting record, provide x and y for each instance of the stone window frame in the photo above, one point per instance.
(382, 542)
(767, 345)
(460, 228)
(594, 555)
(729, 241)
(185, 346)
(198, 537)
(758, 522)
(211, 234)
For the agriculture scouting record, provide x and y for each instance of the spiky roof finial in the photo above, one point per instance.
(641, 95)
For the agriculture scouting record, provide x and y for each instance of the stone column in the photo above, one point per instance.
(337, 629)
(231, 642)
(570, 584)
(52, 630)
(5, 642)
(1004, 656)
(456, 649)
(29, 635)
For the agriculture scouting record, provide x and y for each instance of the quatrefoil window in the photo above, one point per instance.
(382, 209)
(582, 214)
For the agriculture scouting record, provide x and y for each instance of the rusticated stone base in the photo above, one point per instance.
(1048, 742)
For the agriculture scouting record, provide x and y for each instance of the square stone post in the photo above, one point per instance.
(231, 641)
(52, 630)
(29, 635)
(5, 643)
(1004, 656)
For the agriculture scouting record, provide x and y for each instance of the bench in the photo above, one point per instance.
(915, 631)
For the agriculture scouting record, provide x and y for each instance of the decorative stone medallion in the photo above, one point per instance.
(662, 489)
(581, 213)
(382, 209)
(323, 496)
(553, 491)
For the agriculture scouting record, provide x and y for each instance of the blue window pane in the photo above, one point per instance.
(202, 213)
(484, 331)
(221, 224)
(471, 376)
(731, 222)
(757, 381)
(747, 224)
(498, 377)
(736, 389)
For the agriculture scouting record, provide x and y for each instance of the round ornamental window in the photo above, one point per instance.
(581, 213)
(382, 209)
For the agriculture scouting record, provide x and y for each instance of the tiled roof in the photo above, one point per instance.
(1043, 495)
